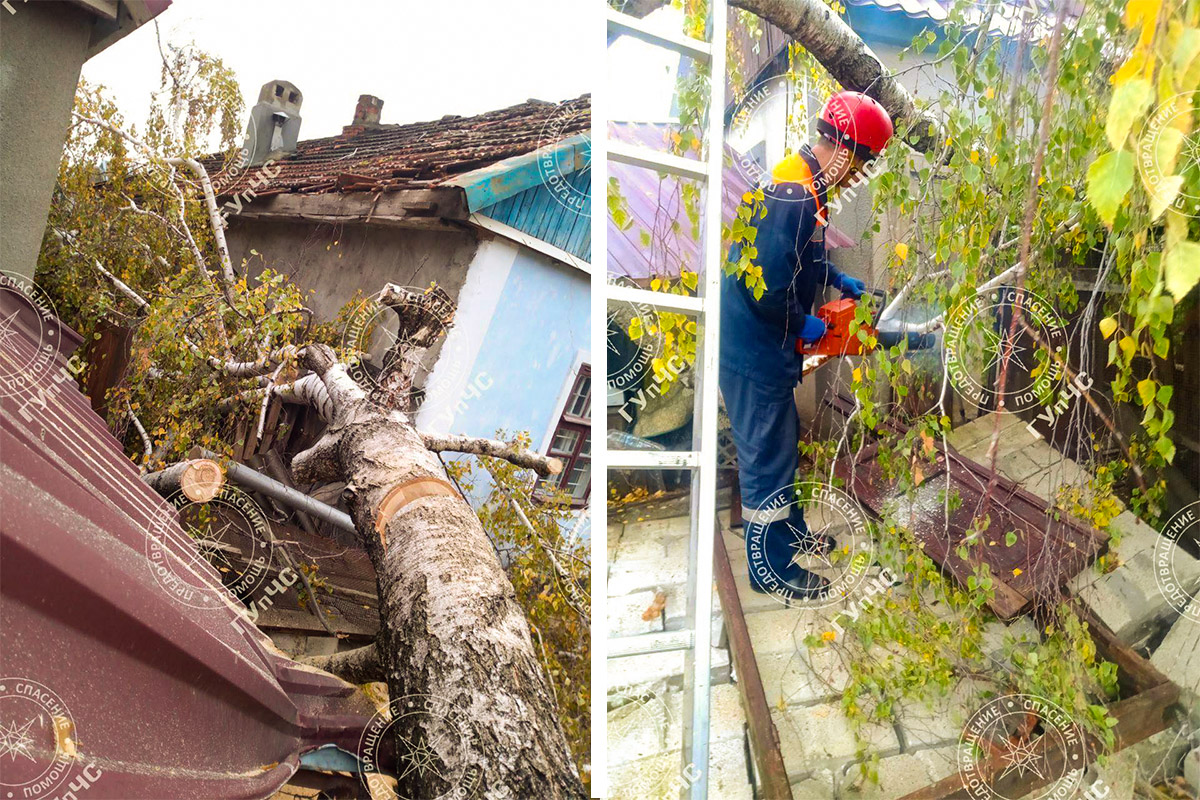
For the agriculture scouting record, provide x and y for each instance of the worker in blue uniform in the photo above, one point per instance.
(759, 363)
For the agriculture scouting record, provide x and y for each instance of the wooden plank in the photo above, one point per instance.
(764, 737)
(1138, 717)
(1047, 553)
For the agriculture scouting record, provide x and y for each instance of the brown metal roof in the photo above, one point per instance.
(162, 699)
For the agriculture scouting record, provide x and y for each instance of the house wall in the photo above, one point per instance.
(335, 262)
(44, 47)
(526, 338)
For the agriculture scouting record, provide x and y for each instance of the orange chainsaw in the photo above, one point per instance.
(838, 341)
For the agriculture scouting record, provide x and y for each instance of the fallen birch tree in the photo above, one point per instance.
(209, 338)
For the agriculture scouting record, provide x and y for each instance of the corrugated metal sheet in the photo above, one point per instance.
(540, 213)
(162, 700)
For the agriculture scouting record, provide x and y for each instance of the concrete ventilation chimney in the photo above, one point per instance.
(274, 123)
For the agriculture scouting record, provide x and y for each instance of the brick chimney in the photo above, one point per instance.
(274, 122)
(366, 115)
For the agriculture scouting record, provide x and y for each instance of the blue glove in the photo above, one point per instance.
(813, 329)
(851, 287)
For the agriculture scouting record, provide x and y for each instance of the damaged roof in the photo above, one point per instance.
(412, 156)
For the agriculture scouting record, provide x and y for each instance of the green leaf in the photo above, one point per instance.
(1128, 102)
(1109, 178)
(1010, 538)
(1165, 448)
(1182, 268)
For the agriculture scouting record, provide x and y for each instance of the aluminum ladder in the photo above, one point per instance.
(696, 638)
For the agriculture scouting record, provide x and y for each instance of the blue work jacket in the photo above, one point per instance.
(758, 337)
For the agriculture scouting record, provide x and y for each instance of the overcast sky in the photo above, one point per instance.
(425, 58)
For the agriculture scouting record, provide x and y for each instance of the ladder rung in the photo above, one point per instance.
(652, 459)
(643, 644)
(696, 49)
(656, 160)
(670, 302)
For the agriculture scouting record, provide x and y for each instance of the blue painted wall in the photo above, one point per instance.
(539, 213)
(540, 324)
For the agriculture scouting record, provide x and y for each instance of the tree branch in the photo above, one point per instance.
(357, 666)
(851, 62)
(200, 480)
(544, 466)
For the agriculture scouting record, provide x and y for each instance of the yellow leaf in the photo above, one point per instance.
(1107, 326)
(1016, 571)
(990, 93)
(902, 251)
(857, 378)
(829, 636)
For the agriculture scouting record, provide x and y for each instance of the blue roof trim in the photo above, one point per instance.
(494, 183)
(538, 212)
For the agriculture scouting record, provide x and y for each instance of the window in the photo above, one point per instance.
(572, 441)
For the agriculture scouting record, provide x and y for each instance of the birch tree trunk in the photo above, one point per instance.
(840, 50)
(450, 624)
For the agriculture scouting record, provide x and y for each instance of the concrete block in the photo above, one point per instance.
(1191, 770)
(818, 786)
(980, 429)
(1128, 599)
(637, 730)
(753, 601)
(1178, 657)
(663, 776)
(1160, 756)
(815, 737)
(784, 630)
(802, 678)
(659, 777)
(646, 672)
(625, 614)
(726, 719)
(898, 775)
(1119, 776)
(658, 528)
(728, 777)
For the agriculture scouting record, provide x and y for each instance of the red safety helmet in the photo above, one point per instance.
(856, 122)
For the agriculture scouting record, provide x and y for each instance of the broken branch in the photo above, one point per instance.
(200, 480)
(357, 666)
(544, 466)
